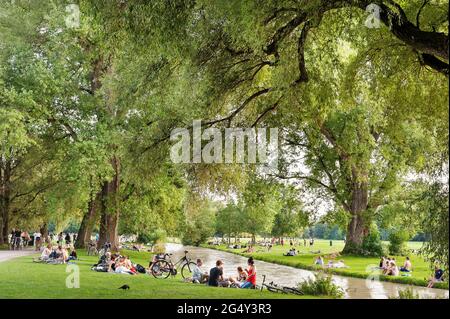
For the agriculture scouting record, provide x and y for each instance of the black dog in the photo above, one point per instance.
(125, 287)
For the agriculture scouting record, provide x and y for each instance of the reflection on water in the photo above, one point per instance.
(355, 288)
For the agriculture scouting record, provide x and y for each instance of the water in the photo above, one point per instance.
(355, 288)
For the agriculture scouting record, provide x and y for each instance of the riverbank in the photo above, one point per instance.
(21, 278)
(358, 266)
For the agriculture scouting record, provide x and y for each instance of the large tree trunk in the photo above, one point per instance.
(44, 233)
(88, 222)
(109, 221)
(5, 201)
(358, 227)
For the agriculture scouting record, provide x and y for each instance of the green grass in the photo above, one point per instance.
(358, 265)
(21, 278)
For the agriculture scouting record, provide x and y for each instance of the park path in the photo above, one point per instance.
(10, 254)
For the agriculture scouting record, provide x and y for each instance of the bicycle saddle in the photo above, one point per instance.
(185, 251)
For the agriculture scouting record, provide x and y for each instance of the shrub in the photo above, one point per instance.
(321, 285)
(407, 293)
(155, 238)
(397, 245)
(372, 245)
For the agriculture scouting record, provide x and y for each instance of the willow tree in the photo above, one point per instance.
(254, 60)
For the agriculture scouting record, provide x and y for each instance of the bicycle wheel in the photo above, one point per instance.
(161, 269)
(292, 290)
(273, 289)
(186, 270)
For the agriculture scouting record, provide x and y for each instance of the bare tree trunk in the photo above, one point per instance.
(358, 227)
(44, 233)
(5, 201)
(88, 222)
(109, 221)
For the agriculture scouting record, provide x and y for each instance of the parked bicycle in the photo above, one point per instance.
(272, 287)
(164, 267)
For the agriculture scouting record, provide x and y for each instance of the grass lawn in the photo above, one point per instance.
(358, 265)
(21, 278)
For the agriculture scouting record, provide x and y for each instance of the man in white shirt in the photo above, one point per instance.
(197, 275)
(37, 240)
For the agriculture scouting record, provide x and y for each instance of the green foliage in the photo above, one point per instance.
(407, 293)
(291, 218)
(152, 237)
(229, 221)
(372, 245)
(397, 242)
(321, 285)
(200, 223)
(434, 203)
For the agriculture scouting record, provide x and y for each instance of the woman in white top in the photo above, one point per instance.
(45, 255)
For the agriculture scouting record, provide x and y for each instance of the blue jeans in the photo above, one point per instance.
(247, 284)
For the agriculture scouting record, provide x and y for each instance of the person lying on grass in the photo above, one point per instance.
(438, 276)
(339, 264)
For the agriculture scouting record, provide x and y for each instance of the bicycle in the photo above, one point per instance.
(16, 243)
(272, 287)
(164, 267)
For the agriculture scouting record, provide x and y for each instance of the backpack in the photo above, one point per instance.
(140, 269)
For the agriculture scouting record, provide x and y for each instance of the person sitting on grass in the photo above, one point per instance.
(392, 269)
(241, 277)
(382, 261)
(319, 261)
(72, 255)
(291, 252)
(216, 276)
(198, 276)
(407, 266)
(250, 249)
(64, 255)
(122, 267)
(45, 255)
(250, 282)
(438, 276)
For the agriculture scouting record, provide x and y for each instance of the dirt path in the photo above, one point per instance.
(10, 254)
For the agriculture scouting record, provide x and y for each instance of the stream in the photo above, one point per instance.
(355, 288)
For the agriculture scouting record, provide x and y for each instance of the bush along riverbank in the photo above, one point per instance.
(358, 265)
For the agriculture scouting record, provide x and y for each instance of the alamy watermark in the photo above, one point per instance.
(236, 145)
(72, 19)
(73, 279)
(373, 20)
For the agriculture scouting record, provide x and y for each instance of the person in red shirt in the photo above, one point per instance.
(251, 271)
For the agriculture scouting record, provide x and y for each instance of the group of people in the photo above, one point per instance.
(245, 278)
(114, 262)
(57, 254)
(388, 266)
(19, 239)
